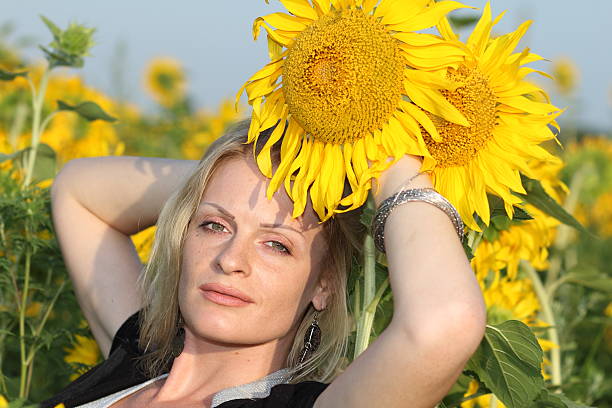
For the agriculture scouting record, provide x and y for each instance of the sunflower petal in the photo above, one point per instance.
(289, 149)
(422, 118)
(264, 161)
(300, 8)
(399, 11)
(321, 6)
(480, 36)
(285, 22)
(434, 102)
(428, 18)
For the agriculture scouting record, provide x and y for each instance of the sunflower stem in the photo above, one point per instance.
(364, 323)
(565, 232)
(38, 97)
(553, 334)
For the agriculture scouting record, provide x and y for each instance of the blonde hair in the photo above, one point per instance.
(160, 318)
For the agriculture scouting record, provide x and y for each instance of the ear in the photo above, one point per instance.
(322, 293)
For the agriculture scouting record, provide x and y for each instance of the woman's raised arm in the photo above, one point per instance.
(439, 313)
(97, 203)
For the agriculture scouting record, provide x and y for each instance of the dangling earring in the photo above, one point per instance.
(312, 339)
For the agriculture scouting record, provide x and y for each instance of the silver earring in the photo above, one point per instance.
(312, 339)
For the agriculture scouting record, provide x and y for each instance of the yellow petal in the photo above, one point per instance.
(434, 102)
(264, 161)
(300, 8)
(428, 18)
(422, 118)
(280, 38)
(399, 11)
(289, 149)
(368, 5)
(480, 36)
(322, 6)
(446, 30)
(526, 105)
(286, 22)
(433, 80)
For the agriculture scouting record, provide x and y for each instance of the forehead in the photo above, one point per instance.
(239, 187)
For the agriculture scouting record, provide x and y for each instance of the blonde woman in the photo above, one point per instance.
(242, 305)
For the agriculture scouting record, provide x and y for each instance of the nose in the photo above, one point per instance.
(234, 256)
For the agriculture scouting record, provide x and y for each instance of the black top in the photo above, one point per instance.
(120, 371)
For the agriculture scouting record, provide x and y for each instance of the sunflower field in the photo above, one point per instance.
(538, 218)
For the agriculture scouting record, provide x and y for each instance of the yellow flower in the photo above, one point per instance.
(215, 124)
(566, 75)
(601, 214)
(507, 123)
(84, 352)
(33, 309)
(165, 81)
(528, 240)
(3, 402)
(336, 91)
(143, 242)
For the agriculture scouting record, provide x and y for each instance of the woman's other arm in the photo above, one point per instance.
(439, 313)
(97, 203)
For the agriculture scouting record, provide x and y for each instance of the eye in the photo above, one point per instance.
(213, 226)
(277, 246)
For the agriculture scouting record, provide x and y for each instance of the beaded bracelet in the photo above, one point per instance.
(428, 195)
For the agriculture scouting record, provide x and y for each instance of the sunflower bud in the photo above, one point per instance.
(68, 46)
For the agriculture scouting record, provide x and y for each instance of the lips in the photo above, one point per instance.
(224, 295)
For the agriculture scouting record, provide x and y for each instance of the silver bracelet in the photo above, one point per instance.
(428, 195)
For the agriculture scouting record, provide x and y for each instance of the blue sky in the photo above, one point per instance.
(213, 41)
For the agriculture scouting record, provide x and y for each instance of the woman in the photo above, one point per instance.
(217, 232)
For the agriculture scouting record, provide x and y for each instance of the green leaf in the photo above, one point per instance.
(367, 216)
(88, 110)
(597, 281)
(508, 363)
(468, 250)
(9, 76)
(59, 58)
(537, 197)
(547, 399)
(45, 164)
(496, 205)
(55, 30)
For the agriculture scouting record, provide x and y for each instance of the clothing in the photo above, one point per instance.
(119, 375)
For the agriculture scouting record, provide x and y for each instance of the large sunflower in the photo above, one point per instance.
(509, 117)
(342, 90)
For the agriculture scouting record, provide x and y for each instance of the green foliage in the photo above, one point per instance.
(31, 260)
(508, 363)
(87, 110)
(537, 197)
(9, 76)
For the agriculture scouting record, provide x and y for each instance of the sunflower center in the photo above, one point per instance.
(477, 102)
(342, 77)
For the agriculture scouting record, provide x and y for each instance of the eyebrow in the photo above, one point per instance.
(221, 209)
(265, 225)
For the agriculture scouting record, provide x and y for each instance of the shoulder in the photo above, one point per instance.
(119, 371)
(300, 395)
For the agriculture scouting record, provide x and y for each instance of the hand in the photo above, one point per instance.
(392, 179)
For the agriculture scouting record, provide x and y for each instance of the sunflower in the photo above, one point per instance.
(350, 84)
(508, 120)
(83, 355)
(165, 81)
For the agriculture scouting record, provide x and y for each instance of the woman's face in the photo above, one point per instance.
(240, 239)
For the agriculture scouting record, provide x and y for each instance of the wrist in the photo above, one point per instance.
(399, 175)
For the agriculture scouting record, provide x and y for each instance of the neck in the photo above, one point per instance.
(205, 367)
